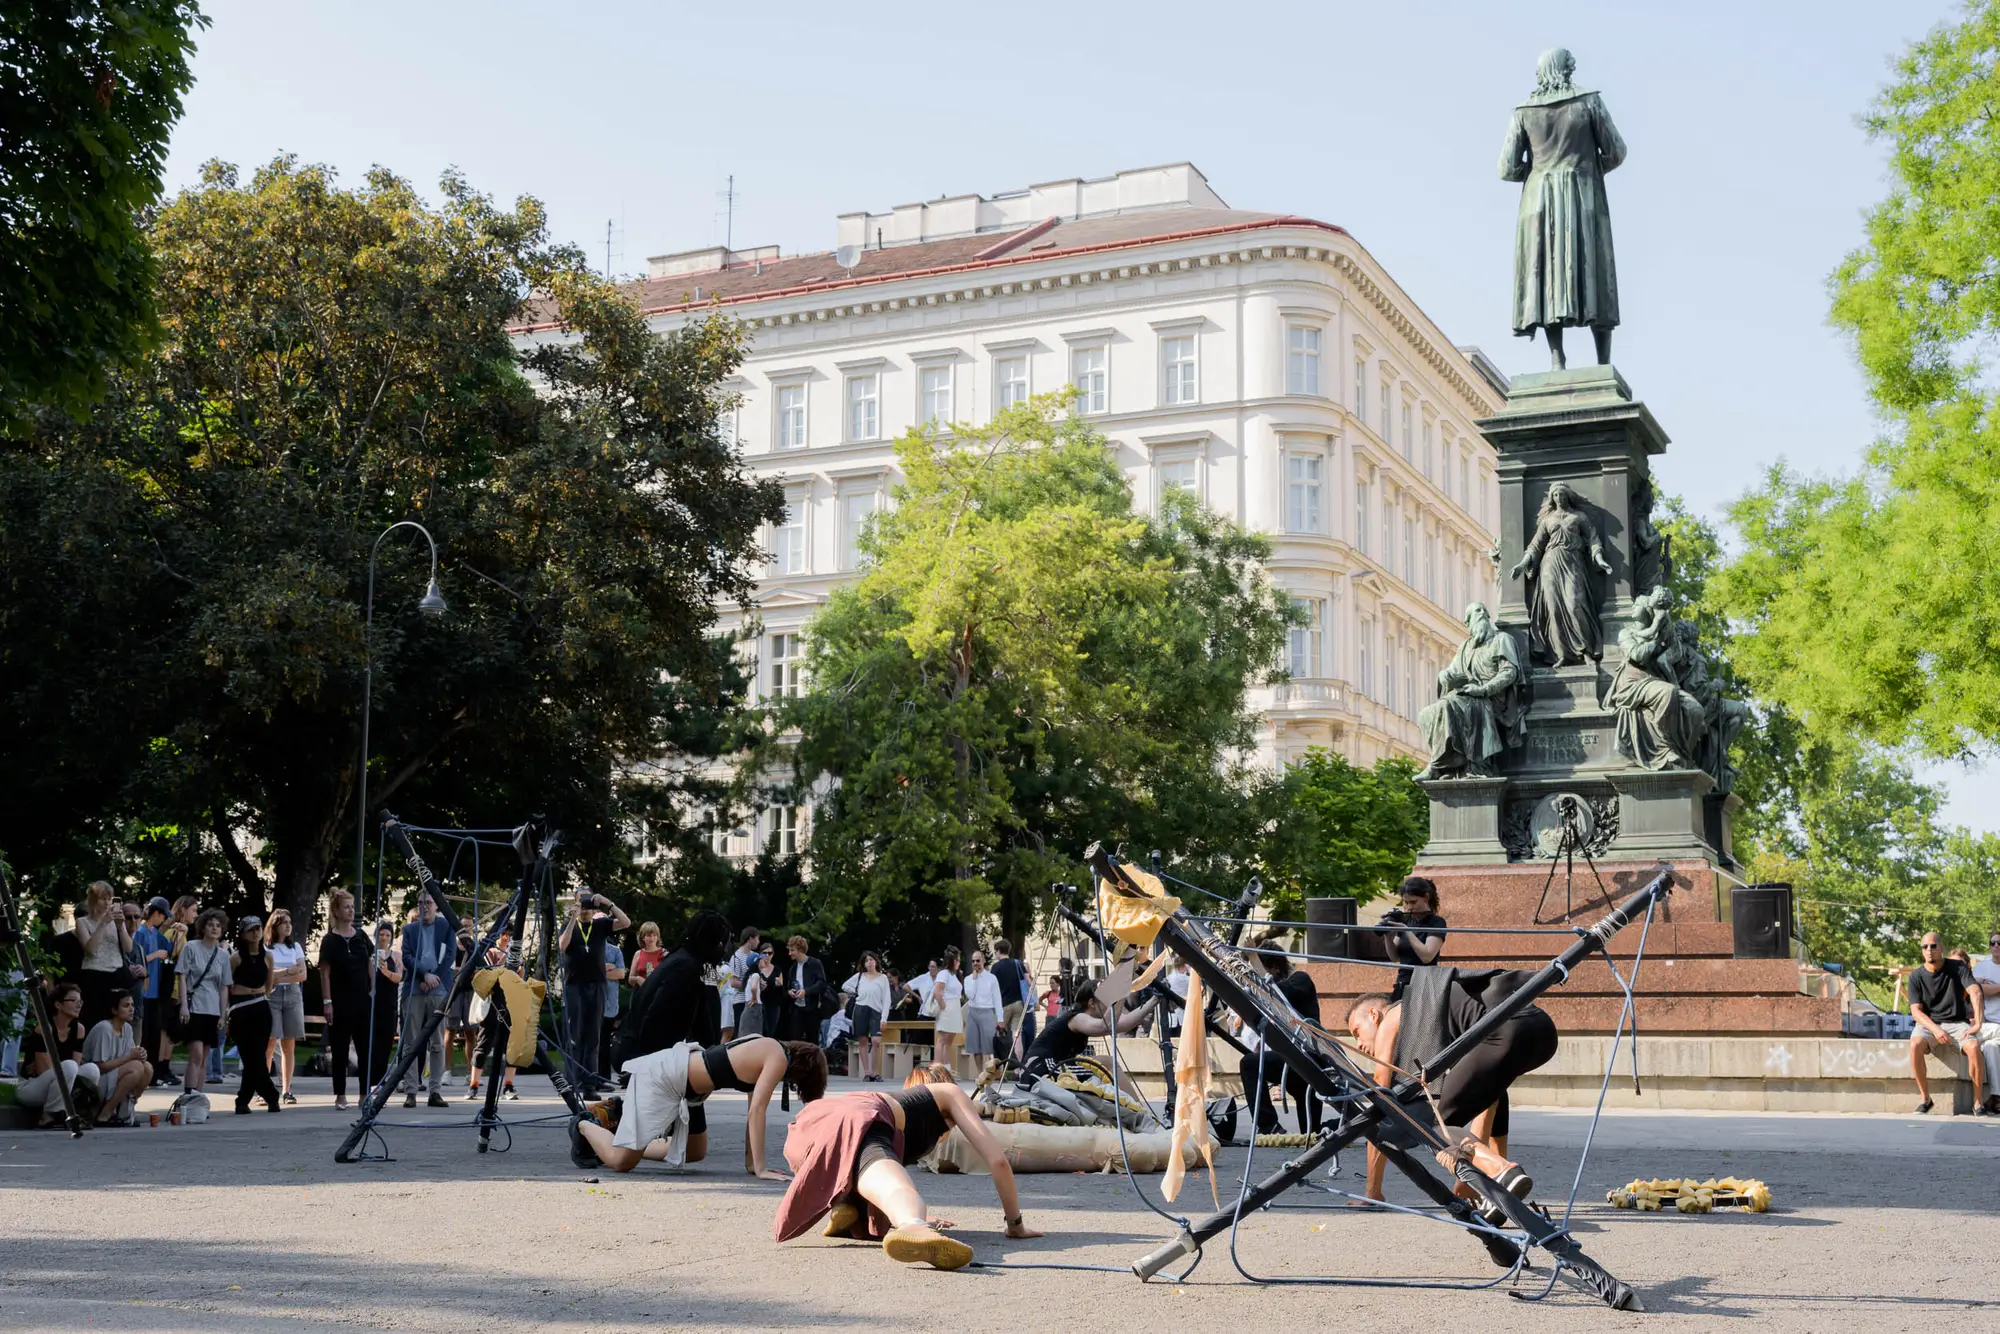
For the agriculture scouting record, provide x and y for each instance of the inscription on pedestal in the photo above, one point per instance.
(1570, 748)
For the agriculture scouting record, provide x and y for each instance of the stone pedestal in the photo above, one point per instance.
(1567, 787)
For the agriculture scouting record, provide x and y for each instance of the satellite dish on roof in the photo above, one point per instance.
(847, 257)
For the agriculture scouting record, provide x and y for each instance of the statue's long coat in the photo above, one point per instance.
(1564, 272)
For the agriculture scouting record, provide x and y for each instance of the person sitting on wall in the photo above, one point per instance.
(1948, 1009)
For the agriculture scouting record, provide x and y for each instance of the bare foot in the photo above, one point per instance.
(1363, 1204)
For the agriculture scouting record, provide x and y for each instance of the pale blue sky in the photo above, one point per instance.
(1745, 185)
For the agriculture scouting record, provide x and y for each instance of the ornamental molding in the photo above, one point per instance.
(1090, 273)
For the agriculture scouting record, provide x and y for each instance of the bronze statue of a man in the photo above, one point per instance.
(1559, 144)
(1482, 704)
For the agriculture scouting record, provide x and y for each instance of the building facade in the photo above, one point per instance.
(1263, 361)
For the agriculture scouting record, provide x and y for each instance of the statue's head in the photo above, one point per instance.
(1553, 70)
(1687, 632)
(1479, 621)
(1561, 497)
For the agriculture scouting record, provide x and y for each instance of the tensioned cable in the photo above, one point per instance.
(1392, 928)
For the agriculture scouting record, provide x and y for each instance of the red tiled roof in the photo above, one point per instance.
(1048, 239)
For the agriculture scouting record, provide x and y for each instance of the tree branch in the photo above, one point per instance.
(234, 855)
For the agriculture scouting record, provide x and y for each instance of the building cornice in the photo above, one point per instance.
(1239, 243)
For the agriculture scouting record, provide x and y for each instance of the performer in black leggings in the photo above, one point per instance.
(1261, 1069)
(1440, 1004)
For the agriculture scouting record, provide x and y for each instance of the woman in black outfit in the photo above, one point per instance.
(1421, 940)
(1068, 1035)
(250, 1015)
(388, 987)
(1261, 1069)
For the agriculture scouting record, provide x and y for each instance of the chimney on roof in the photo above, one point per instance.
(711, 259)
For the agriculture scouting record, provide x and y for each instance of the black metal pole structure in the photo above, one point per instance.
(1381, 1116)
(532, 876)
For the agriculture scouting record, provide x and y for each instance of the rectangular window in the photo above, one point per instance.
(1307, 641)
(1364, 658)
(788, 540)
(936, 390)
(782, 678)
(1430, 454)
(1409, 682)
(864, 407)
(1388, 556)
(1302, 360)
(1302, 482)
(856, 509)
(1386, 408)
(784, 826)
(1389, 654)
(1410, 523)
(1010, 381)
(1360, 390)
(1180, 475)
(1361, 516)
(1406, 434)
(791, 416)
(1431, 568)
(1465, 484)
(1090, 372)
(1178, 379)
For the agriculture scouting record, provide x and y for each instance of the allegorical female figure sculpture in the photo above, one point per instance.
(1559, 145)
(1482, 704)
(1562, 597)
(1660, 725)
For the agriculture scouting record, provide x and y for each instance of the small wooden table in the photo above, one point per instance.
(899, 1030)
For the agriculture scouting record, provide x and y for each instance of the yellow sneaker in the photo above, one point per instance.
(840, 1220)
(917, 1244)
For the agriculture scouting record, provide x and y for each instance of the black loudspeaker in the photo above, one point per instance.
(1324, 917)
(1761, 916)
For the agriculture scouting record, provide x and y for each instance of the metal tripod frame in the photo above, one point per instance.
(1384, 1117)
(15, 938)
(536, 852)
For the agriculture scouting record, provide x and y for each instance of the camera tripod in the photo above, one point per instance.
(535, 844)
(15, 939)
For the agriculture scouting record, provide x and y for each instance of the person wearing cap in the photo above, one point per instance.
(154, 951)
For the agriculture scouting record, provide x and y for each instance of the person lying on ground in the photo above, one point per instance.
(656, 1112)
(851, 1155)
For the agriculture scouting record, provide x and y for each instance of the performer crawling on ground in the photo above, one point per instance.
(1068, 1035)
(850, 1154)
(1440, 1004)
(666, 1089)
(679, 1003)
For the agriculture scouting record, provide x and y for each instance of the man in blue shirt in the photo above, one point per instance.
(153, 947)
(614, 976)
(430, 949)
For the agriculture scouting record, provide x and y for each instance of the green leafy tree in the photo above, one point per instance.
(1023, 667)
(1870, 598)
(1338, 830)
(89, 92)
(332, 361)
(1842, 819)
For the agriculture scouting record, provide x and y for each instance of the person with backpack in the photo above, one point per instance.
(811, 999)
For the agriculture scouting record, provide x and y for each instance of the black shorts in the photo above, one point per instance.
(697, 1120)
(878, 1145)
(201, 1028)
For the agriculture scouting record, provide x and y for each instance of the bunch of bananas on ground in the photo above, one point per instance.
(1688, 1196)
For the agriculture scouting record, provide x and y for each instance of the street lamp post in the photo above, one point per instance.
(431, 605)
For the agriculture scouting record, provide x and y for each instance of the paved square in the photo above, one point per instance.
(1882, 1223)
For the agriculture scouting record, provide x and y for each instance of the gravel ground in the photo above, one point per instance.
(247, 1223)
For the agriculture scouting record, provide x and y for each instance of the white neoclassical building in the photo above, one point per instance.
(1262, 360)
